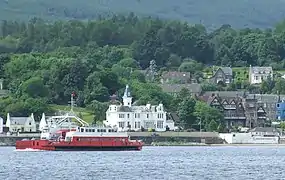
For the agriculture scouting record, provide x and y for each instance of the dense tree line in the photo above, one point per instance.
(42, 63)
(254, 13)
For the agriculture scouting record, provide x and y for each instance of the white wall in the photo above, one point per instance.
(259, 79)
(30, 127)
(247, 138)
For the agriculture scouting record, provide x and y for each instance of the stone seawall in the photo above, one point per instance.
(147, 137)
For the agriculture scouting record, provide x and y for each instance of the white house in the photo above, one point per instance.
(128, 117)
(21, 124)
(258, 74)
(1, 125)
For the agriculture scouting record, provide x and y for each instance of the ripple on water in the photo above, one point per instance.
(151, 163)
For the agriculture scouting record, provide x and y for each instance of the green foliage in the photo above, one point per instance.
(211, 118)
(34, 87)
(43, 63)
(282, 126)
(239, 13)
(186, 112)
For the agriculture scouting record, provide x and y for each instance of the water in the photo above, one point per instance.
(152, 163)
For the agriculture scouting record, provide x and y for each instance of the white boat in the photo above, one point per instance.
(255, 136)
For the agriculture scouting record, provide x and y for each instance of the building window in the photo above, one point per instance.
(30, 123)
(147, 115)
(256, 77)
(137, 125)
(160, 124)
(121, 124)
(149, 124)
(137, 115)
(121, 116)
(160, 116)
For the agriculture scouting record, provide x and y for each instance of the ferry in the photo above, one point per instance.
(82, 139)
(62, 133)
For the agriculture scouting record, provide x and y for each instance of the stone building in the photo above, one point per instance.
(222, 75)
(259, 109)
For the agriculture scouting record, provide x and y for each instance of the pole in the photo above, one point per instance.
(72, 102)
(200, 125)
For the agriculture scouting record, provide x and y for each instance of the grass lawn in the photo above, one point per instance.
(239, 73)
(86, 114)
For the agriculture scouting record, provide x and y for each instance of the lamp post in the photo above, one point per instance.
(200, 125)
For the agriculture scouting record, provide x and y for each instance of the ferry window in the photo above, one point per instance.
(93, 130)
(78, 139)
(103, 130)
(98, 130)
(82, 130)
(37, 143)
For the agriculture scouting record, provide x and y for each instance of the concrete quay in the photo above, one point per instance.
(148, 138)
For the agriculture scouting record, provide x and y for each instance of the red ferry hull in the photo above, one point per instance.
(78, 146)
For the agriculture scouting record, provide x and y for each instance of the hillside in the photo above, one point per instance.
(240, 14)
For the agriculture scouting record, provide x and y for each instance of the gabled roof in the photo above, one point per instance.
(233, 102)
(20, 120)
(229, 94)
(261, 70)
(260, 109)
(225, 102)
(175, 74)
(176, 88)
(268, 98)
(124, 109)
(227, 71)
(215, 100)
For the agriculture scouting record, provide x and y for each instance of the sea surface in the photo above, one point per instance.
(153, 163)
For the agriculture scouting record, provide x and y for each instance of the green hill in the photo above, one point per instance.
(80, 112)
(240, 14)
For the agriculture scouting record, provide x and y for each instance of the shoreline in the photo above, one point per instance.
(196, 145)
(216, 145)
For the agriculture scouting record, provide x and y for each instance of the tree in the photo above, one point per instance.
(186, 112)
(212, 119)
(282, 126)
(35, 88)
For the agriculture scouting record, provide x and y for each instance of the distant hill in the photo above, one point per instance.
(211, 13)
